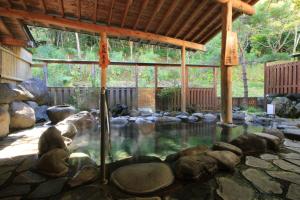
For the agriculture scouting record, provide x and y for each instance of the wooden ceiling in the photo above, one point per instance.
(191, 21)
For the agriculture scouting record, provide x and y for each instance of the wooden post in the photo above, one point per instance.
(155, 84)
(183, 80)
(45, 71)
(103, 61)
(215, 71)
(226, 71)
(136, 71)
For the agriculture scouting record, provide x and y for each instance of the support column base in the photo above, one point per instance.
(228, 125)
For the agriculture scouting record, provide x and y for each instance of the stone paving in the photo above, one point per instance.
(266, 176)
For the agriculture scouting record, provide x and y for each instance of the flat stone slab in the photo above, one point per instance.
(14, 190)
(49, 188)
(268, 156)
(293, 192)
(5, 169)
(27, 164)
(287, 166)
(29, 177)
(292, 131)
(262, 181)
(295, 156)
(296, 162)
(227, 147)
(286, 176)
(291, 143)
(229, 189)
(4, 177)
(143, 178)
(258, 163)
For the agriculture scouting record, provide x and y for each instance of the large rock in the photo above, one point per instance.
(4, 123)
(258, 163)
(119, 121)
(21, 115)
(195, 167)
(239, 116)
(282, 106)
(210, 117)
(85, 175)
(226, 159)
(50, 139)
(60, 112)
(223, 146)
(273, 142)
(53, 163)
(38, 89)
(83, 121)
(143, 178)
(119, 110)
(187, 152)
(276, 132)
(40, 111)
(9, 93)
(250, 144)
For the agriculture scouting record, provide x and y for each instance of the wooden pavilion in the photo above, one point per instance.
(185, 24)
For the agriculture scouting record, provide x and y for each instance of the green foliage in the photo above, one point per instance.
(168, 92)
(254, 110)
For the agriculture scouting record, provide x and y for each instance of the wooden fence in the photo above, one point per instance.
(283, 78)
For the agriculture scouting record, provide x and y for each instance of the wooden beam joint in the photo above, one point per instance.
(240, 5)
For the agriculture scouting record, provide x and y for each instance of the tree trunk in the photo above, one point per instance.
(78, 46)
(245, 80)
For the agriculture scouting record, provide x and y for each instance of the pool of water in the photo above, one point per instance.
(157, 139)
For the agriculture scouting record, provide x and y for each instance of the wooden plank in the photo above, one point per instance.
(110, 12)
(95, 11)
(183, 80)
(156, 10)
(128, 4)
(113, 31)
(10, 41)
(143, 6)
(167, 14)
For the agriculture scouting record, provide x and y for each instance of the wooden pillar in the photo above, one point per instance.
(215, 72)
(155, 84)
(226, 71)
(103, 61)
(45, 72)
(136, 73)
(183, 80)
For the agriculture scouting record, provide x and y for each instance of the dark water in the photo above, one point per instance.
(158, 139)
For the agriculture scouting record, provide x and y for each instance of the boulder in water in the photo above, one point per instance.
(59, 113)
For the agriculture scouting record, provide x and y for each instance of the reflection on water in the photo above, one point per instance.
(158, 139)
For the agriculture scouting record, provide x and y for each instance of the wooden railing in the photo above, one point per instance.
(282, 78)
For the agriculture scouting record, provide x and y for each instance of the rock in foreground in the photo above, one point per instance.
(143, 178)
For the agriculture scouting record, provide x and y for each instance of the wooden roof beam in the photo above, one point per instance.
(167, 14)
(44, 6)
(156, 10)
(5, 28)
(96, 11)
(240, 5)
(8, 3)
(191, 17)
(95, 28)
(61, 4)
(187, 6)
(24, 4)
(79, 9)
(10, 41)
(110, 11)
(144, 4)
(128, 4)
(196, 25)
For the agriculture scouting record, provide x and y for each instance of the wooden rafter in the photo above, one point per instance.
(167, 14)
(79, 9)
(24, 4)
(110, 12)
(95, 11)
(5, 28)
(191, 17)
(187, 6)
(156, 10)
(61, 4)
(8, 3)
(143, 6)
(203, 32)
(197, 24)
(202, 29)
(44, 6)
(128, 4)
(95, 28)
